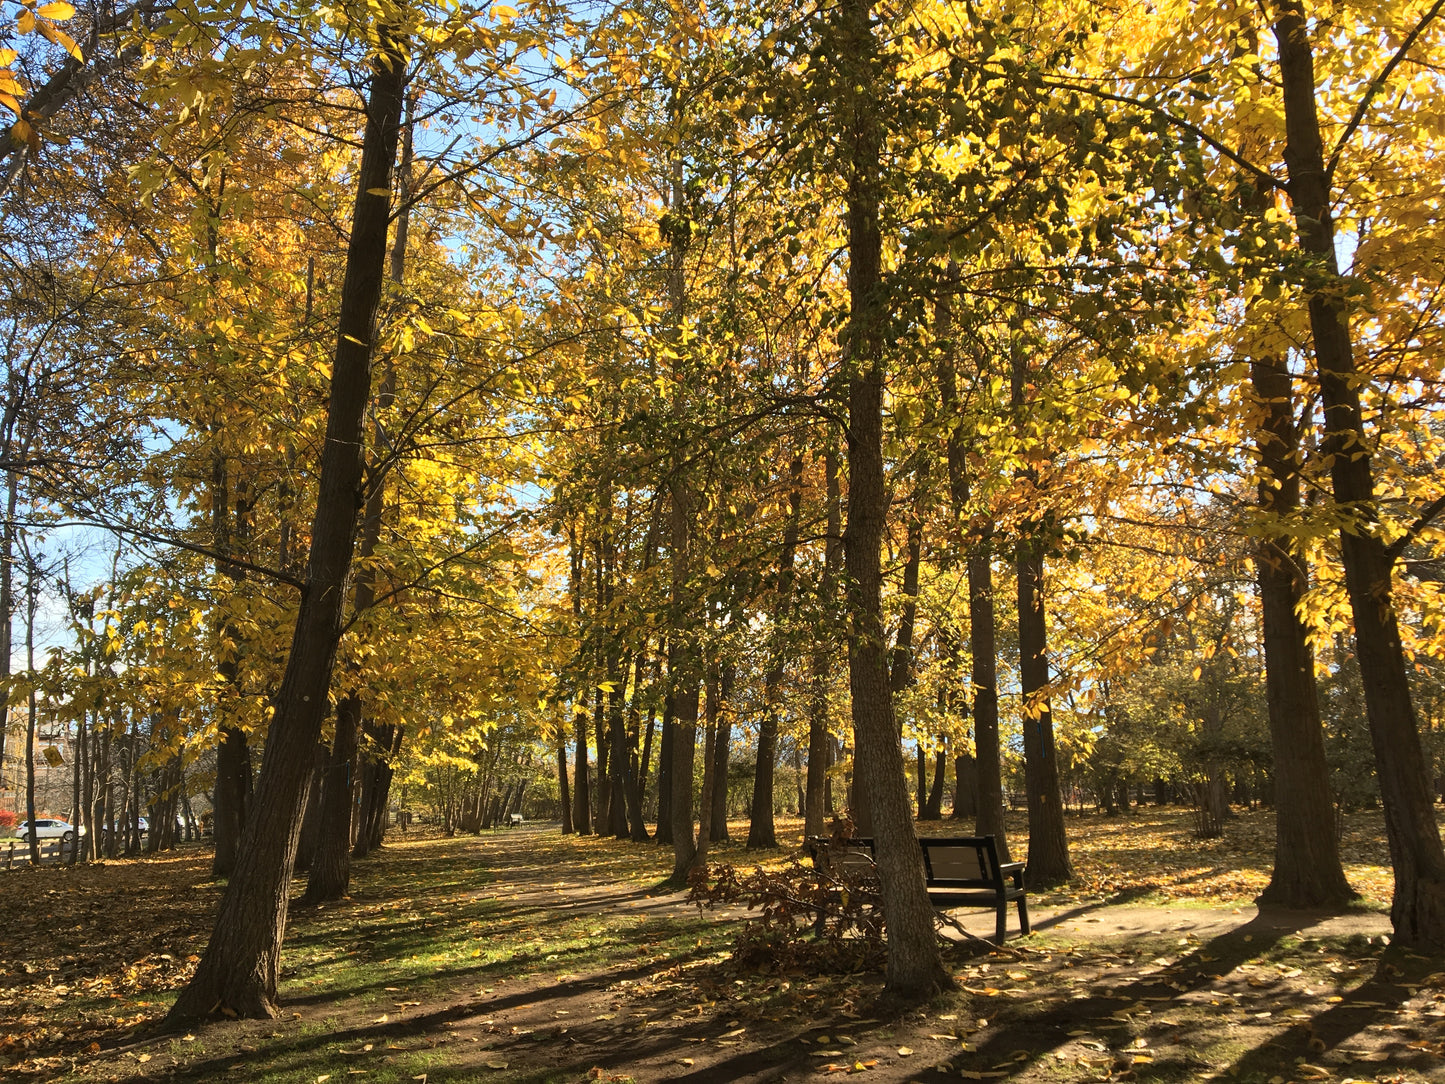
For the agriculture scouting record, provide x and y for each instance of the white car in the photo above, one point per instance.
(46, 828)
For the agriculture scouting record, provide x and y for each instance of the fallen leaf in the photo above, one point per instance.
(905, 1051)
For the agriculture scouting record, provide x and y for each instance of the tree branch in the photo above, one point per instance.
(1427, 517)
(1376, 85)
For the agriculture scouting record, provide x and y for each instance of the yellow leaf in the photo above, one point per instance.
(905, 1051)
(25, 21)
(8, 56)
(504, 11)
(22, 131)
(9, 103)
(56, 9)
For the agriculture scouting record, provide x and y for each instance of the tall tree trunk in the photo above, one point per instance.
(712, 705)
(602, 792)
(933, 808)
(32, 595)
(581, 803)
(1418, 909)
(233, 755)
(581, 798)
(8, 531)
(722, 743)
(1048, 861)
(820, 742)
(631, 767)
(621, 754)
(311, 816)
(761, 831)
(563, 790)
(373, 768)
(965, 787)
(684, 670)
(685, 700)
(986, 774)
(330, 873)
(663, 835)
(239, 968)
(914, 966)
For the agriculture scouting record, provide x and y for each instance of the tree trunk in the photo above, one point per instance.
(331, 864)
(1418, 909)
(988, 766)
(933, 807)
(722, 745)
(663, 835)
(32, 587)
(965, 787)
(602, 792)
(621, 755)
(311, 817)
(914, 967)
(1048, 861)
(8, 531)
(631, 766)
(581, 803)
(685, 704)
(238, 971)
(563, 791)
(820, 742)
(762, 833)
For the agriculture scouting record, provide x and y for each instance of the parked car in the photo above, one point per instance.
(46, 828)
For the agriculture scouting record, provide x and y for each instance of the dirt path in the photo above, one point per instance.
(511, 858)
(1190, 991)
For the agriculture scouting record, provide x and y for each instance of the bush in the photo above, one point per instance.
(8, 819)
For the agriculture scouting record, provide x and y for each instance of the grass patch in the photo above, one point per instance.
(527, 956)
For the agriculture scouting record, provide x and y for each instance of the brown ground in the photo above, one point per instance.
(1099, 992)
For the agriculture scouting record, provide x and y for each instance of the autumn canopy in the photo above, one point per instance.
(640, 416)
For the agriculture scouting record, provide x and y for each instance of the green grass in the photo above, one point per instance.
(446, 946)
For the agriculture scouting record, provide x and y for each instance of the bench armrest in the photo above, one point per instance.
(1014, 870)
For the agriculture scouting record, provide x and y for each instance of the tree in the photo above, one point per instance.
(241, 963)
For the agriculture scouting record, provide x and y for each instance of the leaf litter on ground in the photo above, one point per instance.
(567, 978)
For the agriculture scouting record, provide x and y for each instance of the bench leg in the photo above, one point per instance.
(1001, 932)
(1023, 915)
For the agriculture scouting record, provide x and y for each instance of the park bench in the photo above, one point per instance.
(960, 871)
(513, 820)
(964, 871)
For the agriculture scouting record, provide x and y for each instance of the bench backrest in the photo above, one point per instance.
(965, 861)
(841, 854)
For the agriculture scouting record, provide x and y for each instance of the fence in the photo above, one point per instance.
(15, 853)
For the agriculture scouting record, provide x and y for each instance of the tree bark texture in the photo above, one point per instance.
(330, 873)
(762, 832)
(1418, 908)
(820, 742)
(914, 966)
(1307, 870)
(722, 745)
(1048, 861)
(563, 790)
(238, 971)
